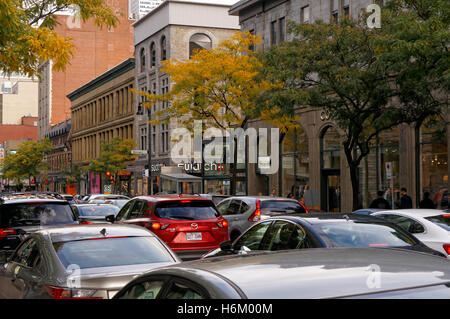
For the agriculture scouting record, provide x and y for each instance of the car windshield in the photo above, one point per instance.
(98, 210)
(284, 206)
(187, 210)
(349, 234)
(109, 252)
(440, 220)
(36, 214)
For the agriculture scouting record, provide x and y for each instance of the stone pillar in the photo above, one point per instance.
(407, 160)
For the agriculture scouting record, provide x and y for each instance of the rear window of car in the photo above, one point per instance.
(283, 206)
(109, 252)
(36, 214)
(440, 220)
(186, 210)
(347, 234)
(87, 211)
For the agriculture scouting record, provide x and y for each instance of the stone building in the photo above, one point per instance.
(314, 165)
(173, 30)
(103, 109)
(96, 50)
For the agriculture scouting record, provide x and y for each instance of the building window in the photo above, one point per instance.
(142, 57)
(144, 143)
(164, 90)
(346, 7)
(252, 46)
(304, 14)
(164, 138)
(163, 48)
(197, 42)
(152, 54)
(282, 26)
(334, 11)
(273, 33)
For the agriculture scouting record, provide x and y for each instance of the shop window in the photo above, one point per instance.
(434, 161)
(197, 42)
(330, 148)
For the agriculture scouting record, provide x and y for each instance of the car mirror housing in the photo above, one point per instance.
(110, 218)
(226, 245)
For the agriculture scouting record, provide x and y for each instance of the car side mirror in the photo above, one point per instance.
(110, 218)
(226, 245)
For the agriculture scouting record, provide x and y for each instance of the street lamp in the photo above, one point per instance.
(140, 111)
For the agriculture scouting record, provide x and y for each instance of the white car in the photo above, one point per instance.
(430, 226)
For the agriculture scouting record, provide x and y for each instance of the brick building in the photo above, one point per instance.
(26, 130)
(96, 51)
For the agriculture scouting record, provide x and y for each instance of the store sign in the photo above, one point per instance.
(107, 189)
(197, 167)
(139, 152)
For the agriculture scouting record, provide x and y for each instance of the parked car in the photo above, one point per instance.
(86, 261)
(20, 217)
(367, 211)
(105, 197)
(190, 225)
(320, 231)
(243, 212)
(69, 198)
(94, 213)
(294, 274)
(117, 202)
(430, 226)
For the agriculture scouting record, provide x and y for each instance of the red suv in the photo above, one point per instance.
(190, 225)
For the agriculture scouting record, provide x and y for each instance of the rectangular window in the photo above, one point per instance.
(273, 33)
(282, 26)
(252, 47)
(346, 7)
(304, 14)
(334, 11)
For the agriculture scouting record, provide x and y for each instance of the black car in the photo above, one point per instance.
(19, 217)
(320, 231)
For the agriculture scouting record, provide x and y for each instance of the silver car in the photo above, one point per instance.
(243, 212)
(80, 262)
(295, 274)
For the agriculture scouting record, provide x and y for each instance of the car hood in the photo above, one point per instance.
(111, 278)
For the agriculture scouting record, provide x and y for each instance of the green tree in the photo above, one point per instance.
(366, 80)
(113, 157)
(28, 161)
(27, 35)
(219, 86)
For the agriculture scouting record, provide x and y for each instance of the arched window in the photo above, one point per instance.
(142, 58)
(199, 41)
(330, 148)
(152, 54)
(163, 48)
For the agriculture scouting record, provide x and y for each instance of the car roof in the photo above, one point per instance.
(263, 198)
(418, 212)
(320, 218)
(35, 200)
(323, 272)
(80, 232)
(173, 197)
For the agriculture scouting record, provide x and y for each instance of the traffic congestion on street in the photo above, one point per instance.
(179, 247)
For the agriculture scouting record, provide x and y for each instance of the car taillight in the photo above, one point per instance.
(304, 207)
(83, 222)
(157, 226)
(4, 232)
(256, 215)
(222, 224)
(447, 248)
(68, 293)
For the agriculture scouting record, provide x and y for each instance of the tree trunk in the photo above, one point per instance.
(280, 164)
(355, 186)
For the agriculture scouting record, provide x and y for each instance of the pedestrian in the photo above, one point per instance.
(274, 192)
(380, 202)
(405, 200)
(426, 202)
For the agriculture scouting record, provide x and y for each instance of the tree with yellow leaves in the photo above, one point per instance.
(27, 37)
(219, 86)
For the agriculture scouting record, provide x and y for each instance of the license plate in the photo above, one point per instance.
(193, 236)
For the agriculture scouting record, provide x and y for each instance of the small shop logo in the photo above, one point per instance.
(194, 226)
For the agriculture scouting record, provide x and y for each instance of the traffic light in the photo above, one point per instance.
(109, 178)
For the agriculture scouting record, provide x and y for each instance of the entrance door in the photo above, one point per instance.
(331, 190)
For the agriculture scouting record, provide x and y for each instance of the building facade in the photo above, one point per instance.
(18, 98)
(171, 31)
(103, 109)
(96, 51)
(314, 168)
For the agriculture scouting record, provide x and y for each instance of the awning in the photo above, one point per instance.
(181, 177)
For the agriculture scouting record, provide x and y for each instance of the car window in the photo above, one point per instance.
(283, 235)
(222, 207)
(122, 215)
(182, 291)
(186, 210)
(97, 210)
(253, 237)
(136, 211)
(27, 254)
(143, 290)
(109, 252)
(442, 221)
(408, 224)
(282, 206)
(244, 207)
(36, 214)
(233, 208)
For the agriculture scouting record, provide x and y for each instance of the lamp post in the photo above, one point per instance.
(140, 111)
